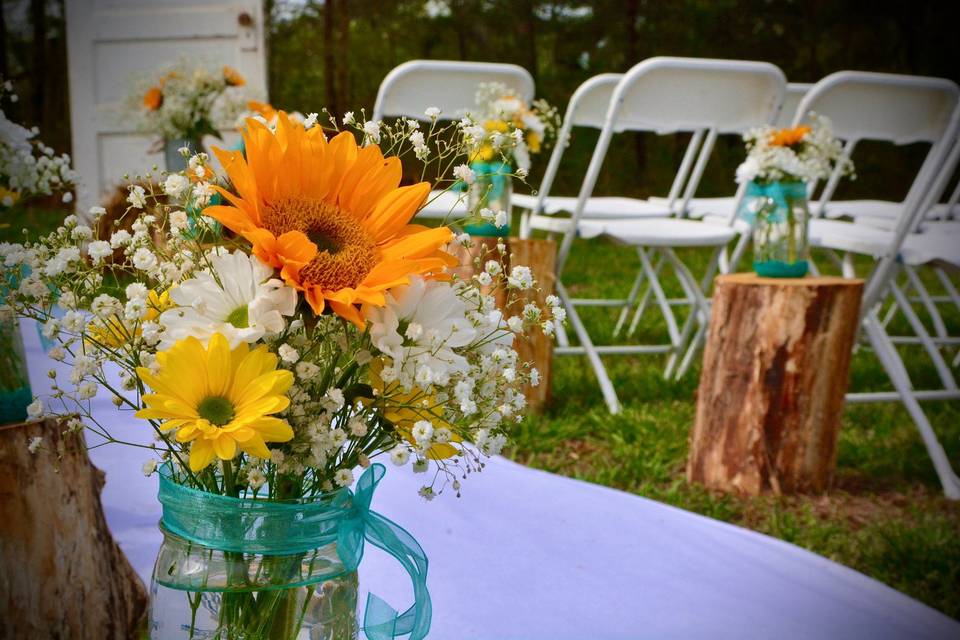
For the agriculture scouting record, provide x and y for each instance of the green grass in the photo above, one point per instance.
(886, 515)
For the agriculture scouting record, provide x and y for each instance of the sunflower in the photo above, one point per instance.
(217, 399)
(153, 99)
(264, 109)
(329, 215)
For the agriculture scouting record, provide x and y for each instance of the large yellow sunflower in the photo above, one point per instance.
(329, 215)
(217, 399)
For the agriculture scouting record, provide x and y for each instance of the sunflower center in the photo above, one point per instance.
(216, 410)
(345, 253)
(239, 317)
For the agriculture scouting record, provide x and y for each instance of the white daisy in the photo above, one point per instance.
(420, 327)
(238, 298)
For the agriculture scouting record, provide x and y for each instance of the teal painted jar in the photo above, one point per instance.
(492, 189)
(780, 216)
(15, 393)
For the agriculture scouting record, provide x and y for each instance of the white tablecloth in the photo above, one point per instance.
(529, 555)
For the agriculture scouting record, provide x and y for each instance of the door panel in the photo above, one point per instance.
(110, 42)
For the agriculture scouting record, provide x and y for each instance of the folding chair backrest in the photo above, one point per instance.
(892, 108)
(670, 95)
(791, 100)
(587, 108)
(882, 106)
(451, 85)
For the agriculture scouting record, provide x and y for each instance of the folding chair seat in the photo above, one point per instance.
(450, 85)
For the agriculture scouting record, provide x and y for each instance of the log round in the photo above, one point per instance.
(61, 573)
(773, 381)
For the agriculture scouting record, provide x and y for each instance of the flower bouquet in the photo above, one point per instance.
(779, 165)
(502, 134)
(28, 169)
(325, 336)
(183, 103)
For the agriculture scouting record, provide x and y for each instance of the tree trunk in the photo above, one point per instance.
(61, 573)
(330, 58)
(773, 382)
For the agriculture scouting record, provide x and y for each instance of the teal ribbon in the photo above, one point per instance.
(780, 193)
(247, 525)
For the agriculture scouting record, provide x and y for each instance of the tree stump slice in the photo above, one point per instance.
(535, 346)
(61, 573)
(772, 386)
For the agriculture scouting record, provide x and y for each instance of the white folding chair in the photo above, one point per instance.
(899, 109)
(450, 85)
(664, 95)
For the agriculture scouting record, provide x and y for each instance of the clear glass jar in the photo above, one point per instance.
(202, 593)
(780, 229)
(492, 189)
(15, 394)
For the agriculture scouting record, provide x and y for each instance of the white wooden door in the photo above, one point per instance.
(109, 40)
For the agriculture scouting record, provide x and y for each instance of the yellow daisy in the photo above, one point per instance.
(217, 399)
(404, 408)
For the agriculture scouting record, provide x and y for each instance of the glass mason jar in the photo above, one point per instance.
(15, 394)
(171, 153)
(492, 190)
(204, 593)
(242, 568)
(780, 218)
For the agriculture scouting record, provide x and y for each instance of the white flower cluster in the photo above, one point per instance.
(29, 167)
(505, 126)
(804, 154)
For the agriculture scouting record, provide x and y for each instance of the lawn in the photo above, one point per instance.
(886, 515)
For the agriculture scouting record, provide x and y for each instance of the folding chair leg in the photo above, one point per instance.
(948, 286)
(660, 296)
(700, 312)
(946, 376)
(893, 365)
(938, 325)
(631, 299)
(606, 387)
(645, 299)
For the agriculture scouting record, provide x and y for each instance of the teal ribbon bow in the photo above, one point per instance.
(343, 517)
(780, 193)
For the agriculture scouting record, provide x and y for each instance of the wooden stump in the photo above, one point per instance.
(773, 383)
(535, 346)
(61, 573)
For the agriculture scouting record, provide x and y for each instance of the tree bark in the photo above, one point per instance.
(773, 382)
(61, 573)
